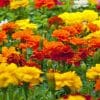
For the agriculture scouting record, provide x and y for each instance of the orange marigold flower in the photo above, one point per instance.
(3, 36)
(78, 27)
(93, 27)
(77, 41)
(97, 85)
(47, 3)
(71, 30)
(48, 46)
(7, 51)
(44, 3)
(9, 27)
(21, 35)
(94, 43)
(27, 39)
(61, 35)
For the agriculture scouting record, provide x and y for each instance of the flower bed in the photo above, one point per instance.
(49, 50)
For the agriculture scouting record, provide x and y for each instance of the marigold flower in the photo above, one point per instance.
(28, 40)
(15, 4)
(16, 59)
(72, 81)
(97, 85)
(26, 24)
(11, 50)
(61, 35)
(46, 3)
(38, 55)
(93, 72)
(4, 3)
(76, 97)
(7, 75)
(9, 27)
(3, 36)
(93, 15)
(77, 41)
(55, 20)
(29, 74)
(93, 27)
(57, 51)
(94, 43)
(74, 29)
(79, 17)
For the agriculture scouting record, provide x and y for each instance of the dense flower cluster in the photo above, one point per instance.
(11, 74)
(49, 49)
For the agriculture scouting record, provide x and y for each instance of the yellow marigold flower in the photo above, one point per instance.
(25, 24)
(93, 35)
(7, 51)
(69, 79)
(76, 97)
(93, 72)
(78, 17)
(29, 74)
(90, 15)
(97, 22)
(7, 74)
(71, 18)
(14, 4)
(6, 79)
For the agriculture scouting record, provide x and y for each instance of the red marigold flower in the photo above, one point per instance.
(62, 53)
(38, 55)
(4, 3)
(83, 53)
(98, 7)
(17, 59)
(55, 20)
(75, 60)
